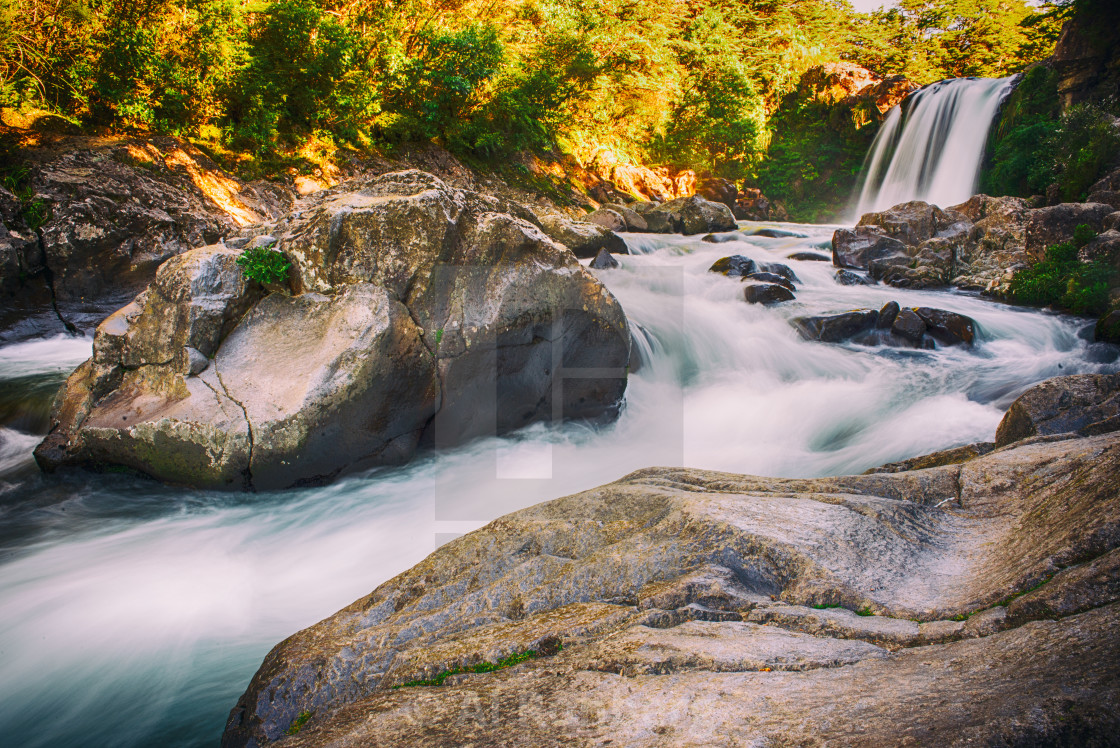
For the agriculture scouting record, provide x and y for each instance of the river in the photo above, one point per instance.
(134, 614)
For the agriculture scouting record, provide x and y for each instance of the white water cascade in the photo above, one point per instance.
(932, 148)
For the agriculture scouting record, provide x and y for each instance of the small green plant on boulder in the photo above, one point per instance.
(1062, 280)
(298, 723)
(264, 265)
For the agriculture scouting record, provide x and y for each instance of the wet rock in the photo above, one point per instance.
(585, 239)
(836, 328)
(667, 577)
(888, 314)
(734, 266)
(856, 248)
(686, 215)
(421, 313)
(770, 278)
(948, 327)
(752, 205)
(604, 261)
(1083, 404)
(776, 234)
(894, 326)
(778, 268)
(766, 293)
(810, 257)
(909, 326)
(848, 278)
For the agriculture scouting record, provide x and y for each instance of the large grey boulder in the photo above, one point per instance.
(1082, 404)
(686, 215)
(419, 314)
(585, 238)
(688, 607)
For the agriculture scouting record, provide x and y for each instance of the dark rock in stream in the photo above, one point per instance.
(848, 278)
(734, 266)
(766, 293)
(604, 261)
(417, 314)
(916, 327)
(837, 327)
(979, 598)
(686, 215)
(809, 257)
(771, 278)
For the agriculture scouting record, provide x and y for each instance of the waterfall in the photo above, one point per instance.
(931, 146)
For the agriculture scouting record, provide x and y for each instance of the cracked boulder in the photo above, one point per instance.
(419, 315)
(687, 607)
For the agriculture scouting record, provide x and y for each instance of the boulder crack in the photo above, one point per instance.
(248, 428)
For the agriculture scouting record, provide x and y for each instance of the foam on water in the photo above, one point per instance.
(134, 614)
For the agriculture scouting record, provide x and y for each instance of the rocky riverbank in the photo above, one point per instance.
(977, 597)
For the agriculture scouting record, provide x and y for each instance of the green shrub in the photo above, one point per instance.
(264, 265)
(1061, 280)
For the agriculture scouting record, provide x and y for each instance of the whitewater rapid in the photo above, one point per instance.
(134, 614)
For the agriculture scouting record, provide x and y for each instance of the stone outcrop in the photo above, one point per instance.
(977, 245)
(112, 215)
(904, 327)
(685, 607)
(417, 314)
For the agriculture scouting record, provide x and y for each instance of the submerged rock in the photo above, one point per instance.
(421, 313)
(810, 257)
(706, 608)
(848, 278)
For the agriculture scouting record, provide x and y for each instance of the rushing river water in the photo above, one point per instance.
(134, 614)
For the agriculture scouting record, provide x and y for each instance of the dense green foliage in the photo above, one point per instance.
(1035, 145)
(1063, 281)
(687, 83)
(264, 265)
